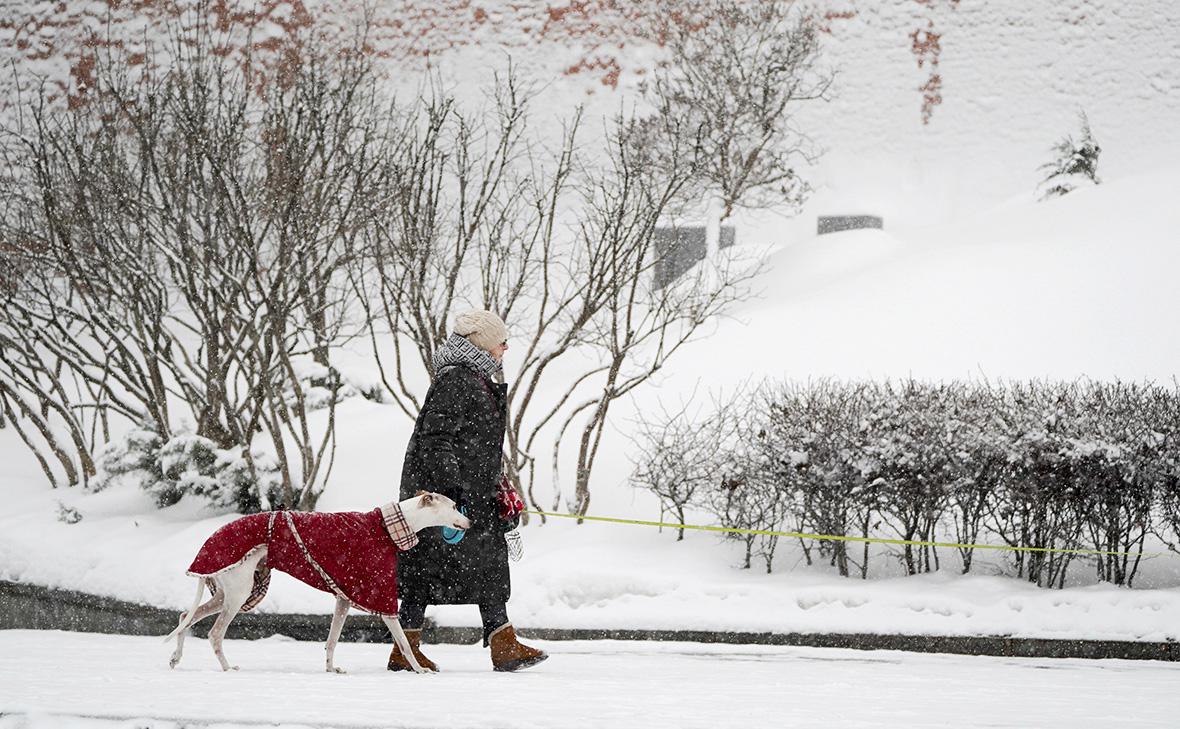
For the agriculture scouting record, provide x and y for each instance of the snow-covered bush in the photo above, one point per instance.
(1042, 466)
(745, 495)
(1075, 164)
(909, 455)
(812, 447)
(188, 464)
(130, 459)
(1117, 458)
(1036, 503)
(317, 384)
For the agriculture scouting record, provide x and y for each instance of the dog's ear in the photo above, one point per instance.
(419, 492)
(427, 498)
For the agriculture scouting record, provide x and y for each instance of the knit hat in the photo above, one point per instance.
(482, 328)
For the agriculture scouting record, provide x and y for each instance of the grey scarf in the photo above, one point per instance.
(457, 350)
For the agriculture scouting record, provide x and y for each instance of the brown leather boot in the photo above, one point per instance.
(398, 662)
(509, 654)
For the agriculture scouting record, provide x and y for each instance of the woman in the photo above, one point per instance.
(456, 450)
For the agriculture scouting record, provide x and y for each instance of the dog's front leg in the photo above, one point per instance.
(338, 617)
(399, 637)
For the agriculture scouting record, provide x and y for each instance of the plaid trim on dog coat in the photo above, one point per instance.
(352, 555)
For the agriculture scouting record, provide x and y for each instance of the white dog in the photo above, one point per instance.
(352, 555)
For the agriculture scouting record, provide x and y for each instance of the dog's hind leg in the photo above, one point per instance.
(338, 617)
(235, 586)
(191, 618)
(399, 637)
(212, 606)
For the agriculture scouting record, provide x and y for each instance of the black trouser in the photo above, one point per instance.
(492, 615)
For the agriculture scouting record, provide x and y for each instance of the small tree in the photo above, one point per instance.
(1075, 163)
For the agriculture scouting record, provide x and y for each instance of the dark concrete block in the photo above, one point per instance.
(727, 236)
(679, 248)
(837, 223)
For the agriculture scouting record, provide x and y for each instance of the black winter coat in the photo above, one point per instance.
(456, 451)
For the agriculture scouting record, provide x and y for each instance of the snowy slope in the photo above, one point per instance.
(1080, 286)
(1084, 286)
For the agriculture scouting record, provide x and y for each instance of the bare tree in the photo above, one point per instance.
(479, 205)
(634, 326)
(446, 237)
(736, 75)
(559, 242)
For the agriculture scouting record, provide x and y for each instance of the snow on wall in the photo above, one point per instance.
(1002, 81)
(942, 106)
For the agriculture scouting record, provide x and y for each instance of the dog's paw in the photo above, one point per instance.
(173, 661)
(230, 668)
(337, 669)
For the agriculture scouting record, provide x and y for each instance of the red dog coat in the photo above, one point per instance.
(352, 555)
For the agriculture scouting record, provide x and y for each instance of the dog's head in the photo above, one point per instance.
(441, 511)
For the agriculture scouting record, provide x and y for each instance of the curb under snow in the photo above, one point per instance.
(25, 606)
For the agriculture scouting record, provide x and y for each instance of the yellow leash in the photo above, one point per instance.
(841, 538)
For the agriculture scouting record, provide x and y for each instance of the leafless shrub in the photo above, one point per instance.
(183, 245)
(680, 457)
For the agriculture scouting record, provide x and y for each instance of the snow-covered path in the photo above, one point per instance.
(76, 679)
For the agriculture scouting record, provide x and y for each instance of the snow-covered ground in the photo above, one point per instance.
(67, 680)
(1082, 286)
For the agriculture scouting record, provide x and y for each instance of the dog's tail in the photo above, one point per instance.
(186, 618)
